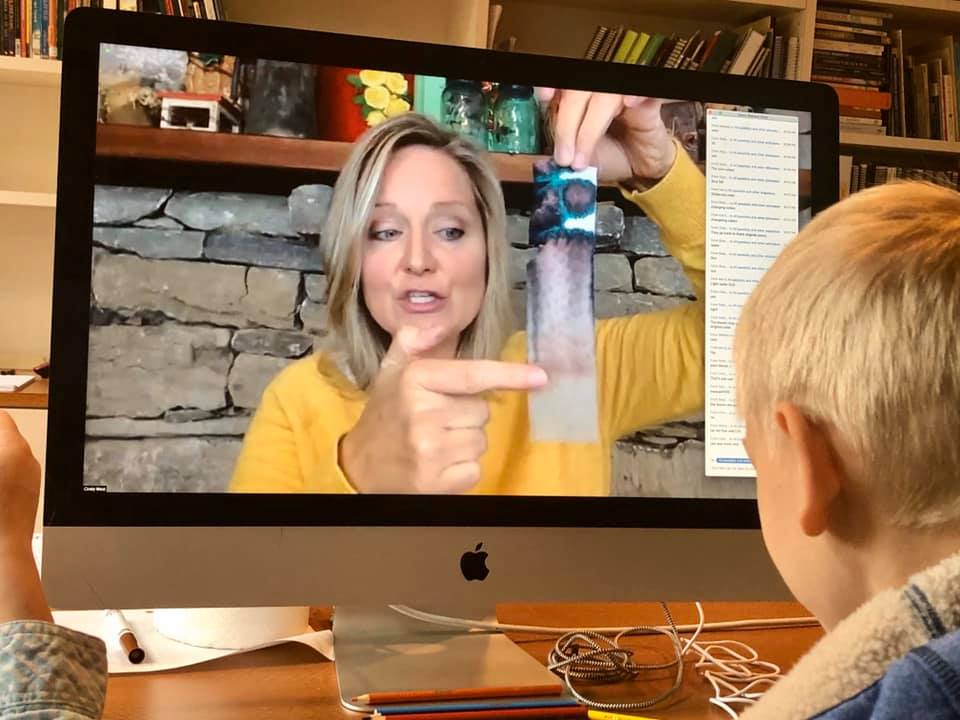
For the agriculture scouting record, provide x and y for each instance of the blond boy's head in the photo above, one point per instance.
(854, 333)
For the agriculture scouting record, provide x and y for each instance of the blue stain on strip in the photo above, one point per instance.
(565, 204)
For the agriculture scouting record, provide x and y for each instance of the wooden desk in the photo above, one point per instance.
(32, 396)
(294, 683)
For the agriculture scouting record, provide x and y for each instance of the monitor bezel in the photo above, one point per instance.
(67, 504)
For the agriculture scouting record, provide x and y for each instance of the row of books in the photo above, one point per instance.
(926, 90)
(884, 86)
(856, 176)
(755, 50)
(32, 28)
(850, 52)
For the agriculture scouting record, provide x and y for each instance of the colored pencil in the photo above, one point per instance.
(483, 693)
(521, 714)
(604, 715)
(494, 704)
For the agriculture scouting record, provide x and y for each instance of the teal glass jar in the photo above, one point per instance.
(516, 121)
(465, 109)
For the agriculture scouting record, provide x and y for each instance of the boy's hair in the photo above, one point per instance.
(857, 323)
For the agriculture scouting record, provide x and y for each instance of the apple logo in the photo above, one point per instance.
(473, 565)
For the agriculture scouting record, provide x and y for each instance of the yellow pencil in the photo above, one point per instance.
(604, 715)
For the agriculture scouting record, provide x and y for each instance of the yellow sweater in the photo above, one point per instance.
(650, 370)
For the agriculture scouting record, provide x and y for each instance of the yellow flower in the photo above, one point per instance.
(372, 78)
(377, 97)
(396, 106)
(375, 118)
(396, 83)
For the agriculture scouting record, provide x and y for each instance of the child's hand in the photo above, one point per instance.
(623, 135)
(19, 486)
(21, 595)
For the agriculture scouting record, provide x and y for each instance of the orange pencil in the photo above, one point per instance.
(485, 693)
(515, 714)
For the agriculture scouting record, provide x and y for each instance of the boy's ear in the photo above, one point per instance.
(817, 471)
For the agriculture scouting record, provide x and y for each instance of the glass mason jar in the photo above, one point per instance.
(465, 109)
(516, 121)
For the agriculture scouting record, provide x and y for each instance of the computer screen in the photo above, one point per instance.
(215, 363)
(276, 247)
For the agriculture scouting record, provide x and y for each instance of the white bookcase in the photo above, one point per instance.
(29, 108)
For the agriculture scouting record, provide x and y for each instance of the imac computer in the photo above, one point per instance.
(215, 316)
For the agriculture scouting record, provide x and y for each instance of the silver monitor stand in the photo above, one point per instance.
(380, 650)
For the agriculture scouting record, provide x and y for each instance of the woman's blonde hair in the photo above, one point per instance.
(360, 341)
(858, 323)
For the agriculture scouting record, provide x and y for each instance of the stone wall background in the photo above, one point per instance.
(200, 298)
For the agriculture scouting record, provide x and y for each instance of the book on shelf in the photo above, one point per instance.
(844, 46)
(754, 49)
(626, 44)
(857, 17)
(792, 68)
(33, 28)
(675, 52)
(919, 78)
(639, 45)
(607, 43)
(777, 58)
(692, 54)
(846, 169)
(663, 52)
(595, 42)
(746, 53)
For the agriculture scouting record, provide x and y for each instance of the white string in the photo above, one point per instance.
(466, 624)
(734, 669)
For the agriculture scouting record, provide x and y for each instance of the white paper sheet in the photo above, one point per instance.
(12, 383)
(162, 653)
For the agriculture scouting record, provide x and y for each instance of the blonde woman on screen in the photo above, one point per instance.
(421, 389)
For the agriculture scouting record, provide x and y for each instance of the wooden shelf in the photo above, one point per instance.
(886, 142)
(132, 141)
(14, 198)
(730, 11)
(33, 396)
(29, 71)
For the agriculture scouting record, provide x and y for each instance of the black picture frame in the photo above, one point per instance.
(67, 504)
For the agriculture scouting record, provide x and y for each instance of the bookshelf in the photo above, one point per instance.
(29, 108)
(146, 143)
